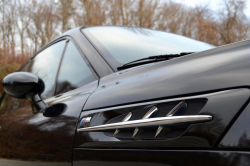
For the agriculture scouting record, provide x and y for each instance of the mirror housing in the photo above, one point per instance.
(24, 85)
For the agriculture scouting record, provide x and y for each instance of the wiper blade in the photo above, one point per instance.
(151, 59)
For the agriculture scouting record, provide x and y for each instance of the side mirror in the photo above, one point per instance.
(26, 85)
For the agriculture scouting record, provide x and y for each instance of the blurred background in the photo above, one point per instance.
(27, 25)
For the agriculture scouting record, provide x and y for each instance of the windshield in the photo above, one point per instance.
(120, 45)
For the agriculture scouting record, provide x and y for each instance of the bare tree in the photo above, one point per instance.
(233, 24)
(23, 20)
(44, 24)
(147, 13)
(27, 25)
(66, 10)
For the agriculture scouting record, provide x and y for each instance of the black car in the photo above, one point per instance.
(128, 96)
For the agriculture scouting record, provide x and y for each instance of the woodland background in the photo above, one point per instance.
(27, 25)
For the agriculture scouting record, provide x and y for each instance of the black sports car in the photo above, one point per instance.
(128, 96)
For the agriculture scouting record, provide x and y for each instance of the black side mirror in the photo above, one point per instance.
(25, 85)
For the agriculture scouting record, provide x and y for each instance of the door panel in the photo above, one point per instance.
(45, 138)
(222, 106)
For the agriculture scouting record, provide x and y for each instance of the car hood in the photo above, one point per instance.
(220, 68)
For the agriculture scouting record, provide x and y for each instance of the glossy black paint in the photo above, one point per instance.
(48, 137)
(106, 157)
(45, 138)
(23, 85)
(208, 71)
(238, 135)
(223, 106)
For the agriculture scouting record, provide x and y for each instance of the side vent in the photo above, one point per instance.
(124, 120)
(179, 109)
(159, 121)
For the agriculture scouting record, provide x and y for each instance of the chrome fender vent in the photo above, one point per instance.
(150, 118)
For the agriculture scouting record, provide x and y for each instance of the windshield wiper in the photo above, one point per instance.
(151, 59)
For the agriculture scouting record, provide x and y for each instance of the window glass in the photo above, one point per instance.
(74, 72)
(121, 45)
(45, 66)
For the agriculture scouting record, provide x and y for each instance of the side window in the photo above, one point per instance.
(45, 65)
(74, 72)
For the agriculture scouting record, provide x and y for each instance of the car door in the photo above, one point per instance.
(32, 138)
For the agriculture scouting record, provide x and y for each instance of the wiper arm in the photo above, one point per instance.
(155, 58)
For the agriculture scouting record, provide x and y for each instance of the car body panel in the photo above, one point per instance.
(100, 157)
(238, 135)
(212, 70)
(220, 75)
(28, 136)
(223, 106)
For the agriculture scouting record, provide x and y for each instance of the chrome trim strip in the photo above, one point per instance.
(176, 108)
(124, 120)
(149, 114)
(161, 121)
(171, 113)
(159, 101)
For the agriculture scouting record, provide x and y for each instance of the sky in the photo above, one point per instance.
(214, 4)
